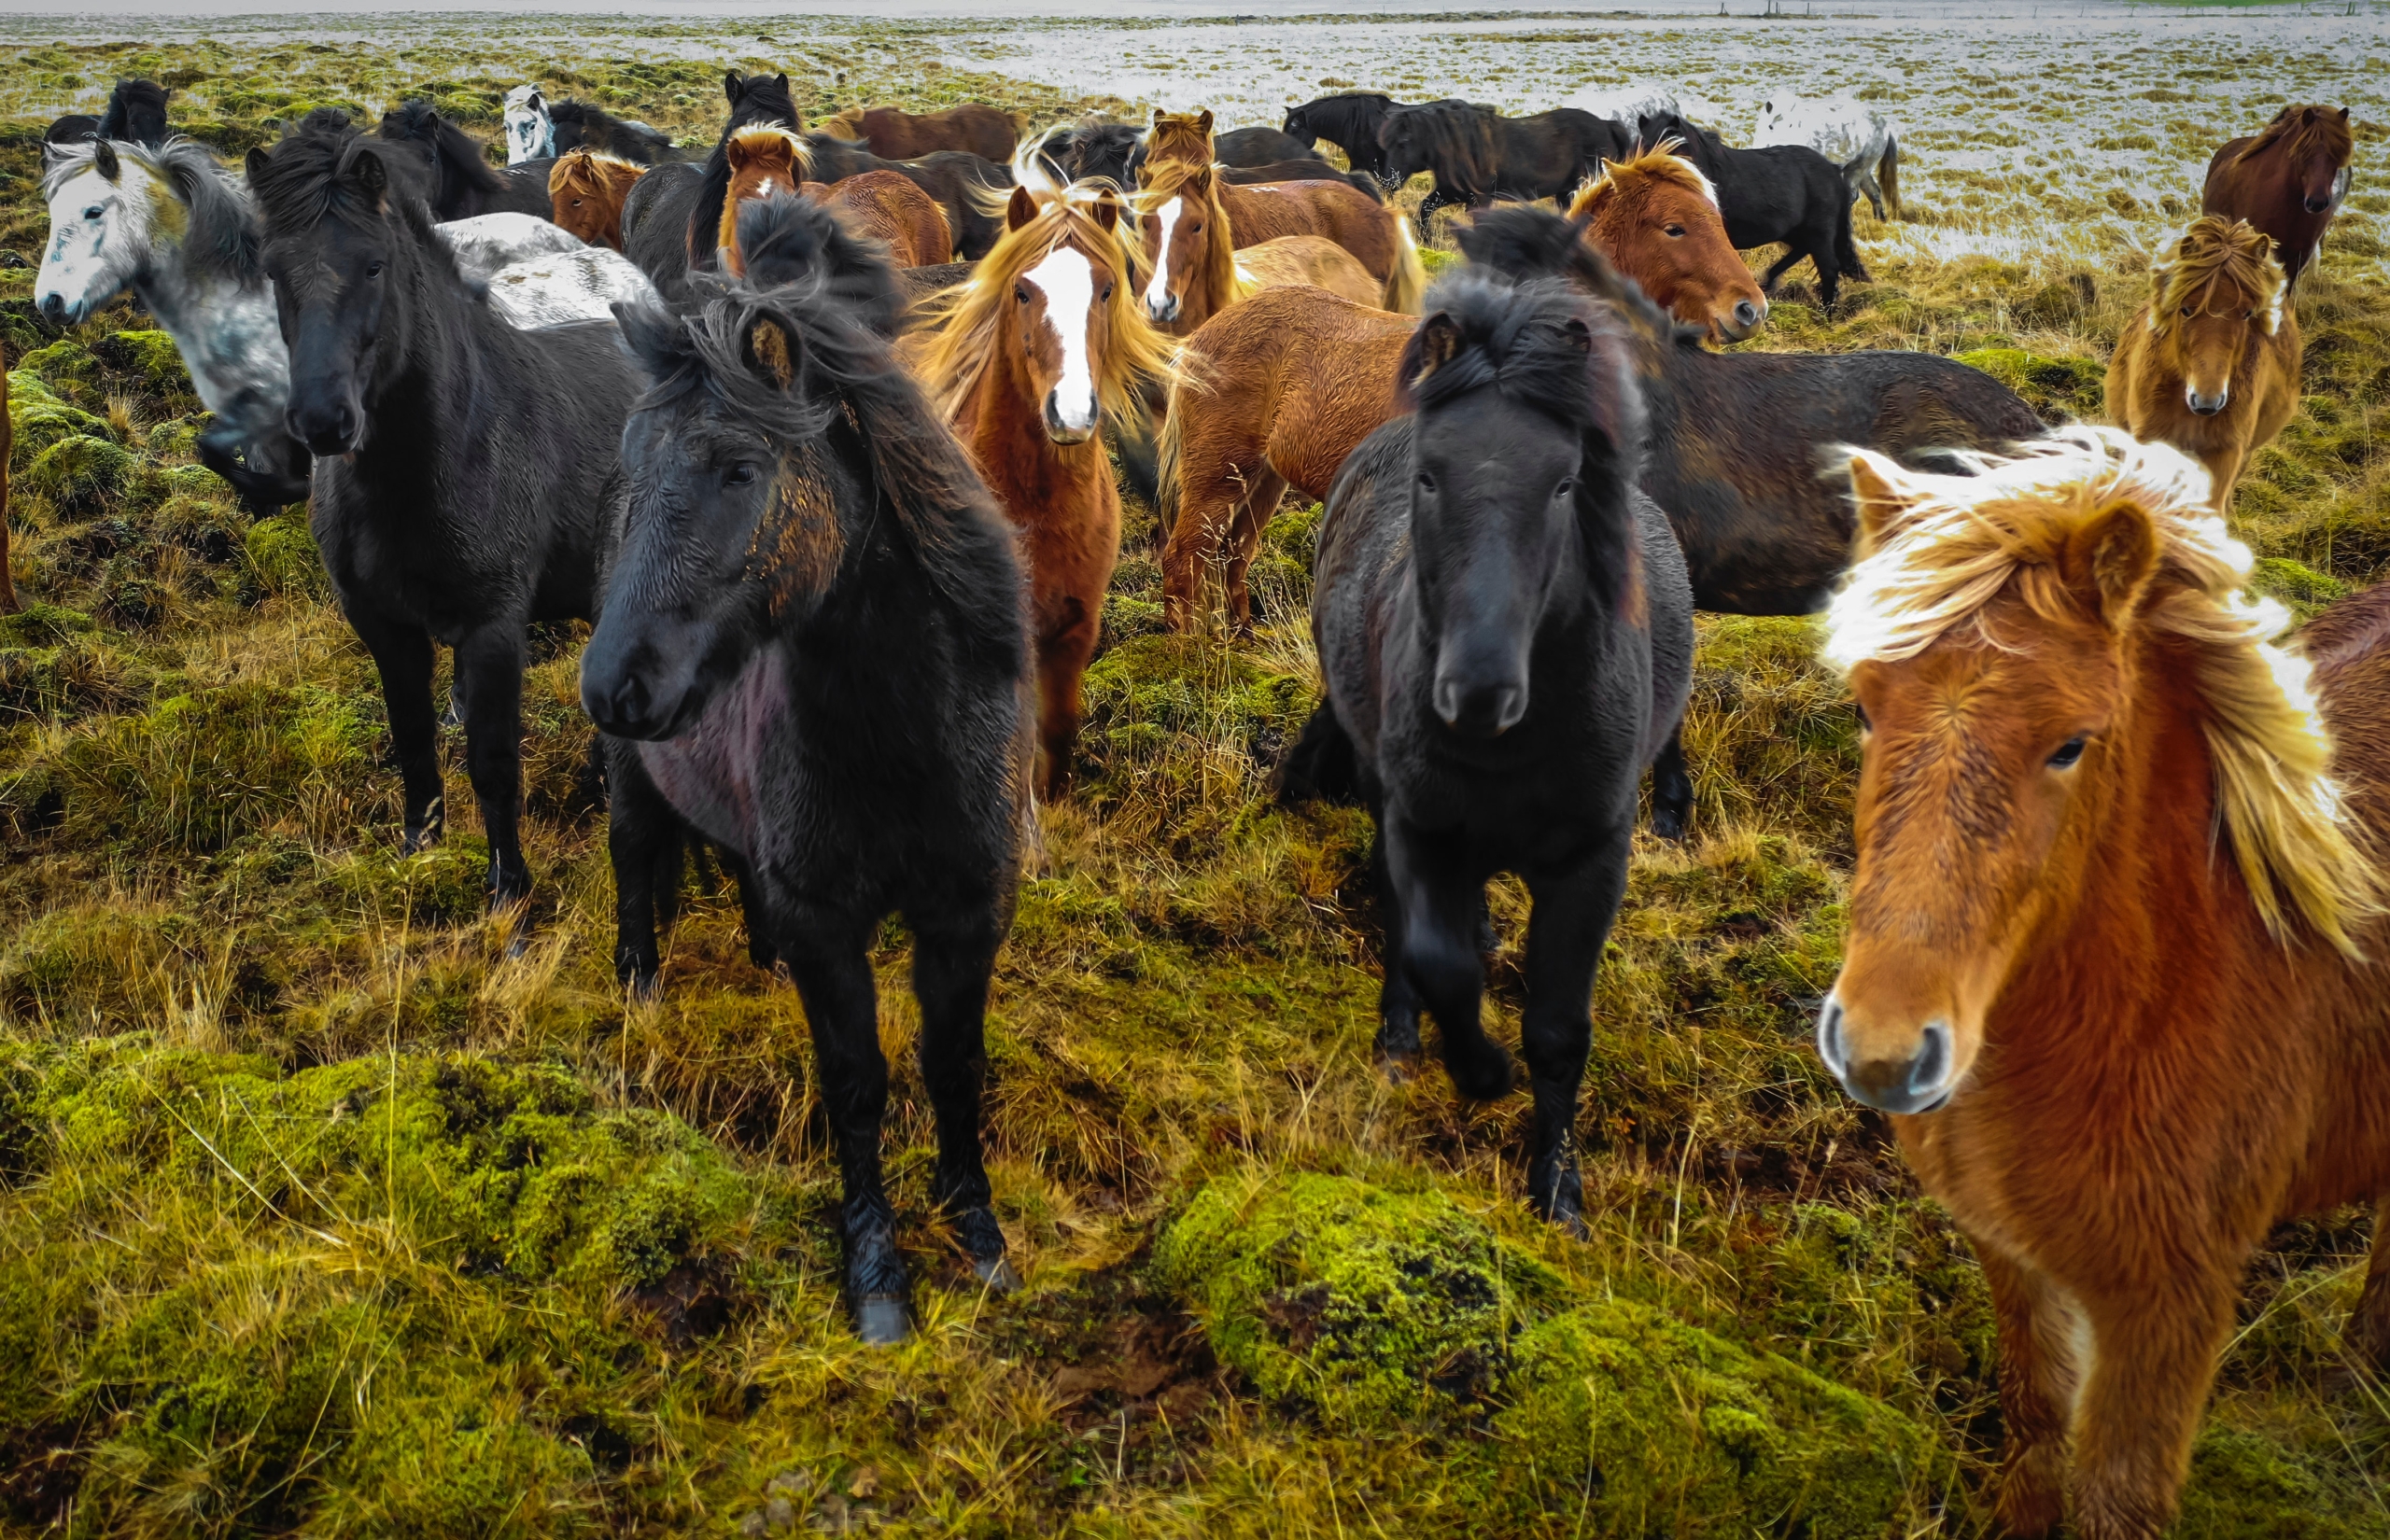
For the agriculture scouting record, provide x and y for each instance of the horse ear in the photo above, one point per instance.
(1159, 116)
(371, 174)
(771, 352)
(1199, 183)
(1438, 341)
(255, 162)
(782, 80)
(104, 161)
(1204, 121)
(1880, 508)
(1107, 209)
(1020, 209)
(732, 86)
(2110, 560)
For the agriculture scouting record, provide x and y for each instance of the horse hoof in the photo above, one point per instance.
(419, 838)
(883, 1319)
(1482, 1076)
(1668, 823)
(997, 1273)
(1399, 1069)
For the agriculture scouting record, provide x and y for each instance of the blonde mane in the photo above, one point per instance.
(1660, 163)
(1957, 542)
(844, 124)
(580, 169)
(763, 138)
(2214, 261)
(1177, 139)
(1219, 235)
(960, 334)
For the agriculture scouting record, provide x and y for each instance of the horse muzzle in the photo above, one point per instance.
(1920, 1082)
(1741, 321)
(59, 310)
(1163, 311)
(1059, 426)
(328, 429)
(2206, 406)
(1485, 710)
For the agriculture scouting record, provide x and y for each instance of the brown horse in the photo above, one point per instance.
(1193, 266)
(2211, 363)
(881, 205)
(896, 135)
(1178, 166)
(587, 189)
(1026, 360)
(1655, 217)
(2115, 932)
(2287, 180)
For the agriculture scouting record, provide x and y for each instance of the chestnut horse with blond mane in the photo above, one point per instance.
(1178, 168)
(1655, 217)
(586, 189)
(2115, 931)
(2209, 364)
(1026, 361)
(2287, 180)
(1191, 268)
(879, 204)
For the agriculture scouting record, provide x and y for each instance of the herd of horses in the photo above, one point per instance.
(817, 443)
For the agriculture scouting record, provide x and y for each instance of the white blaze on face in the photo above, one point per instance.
(98, 233)
(1067, 279)
(1157, 291)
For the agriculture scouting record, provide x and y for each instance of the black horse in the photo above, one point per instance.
(1478, 155)
(135, 114)
(1094, 149)
(655, 221)
(1506, 633)
(814, 652)
(1349, 120)
(466, 474)
(578, 123)
(463, 184)
(1786, 193)
(1259, 147)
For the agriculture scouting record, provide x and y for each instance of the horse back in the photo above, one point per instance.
(1333, 209)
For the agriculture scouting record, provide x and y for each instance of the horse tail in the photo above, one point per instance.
(1888, 174)
(1323, 765)
(1167, 482)
(1407, 284)
(1845, 250)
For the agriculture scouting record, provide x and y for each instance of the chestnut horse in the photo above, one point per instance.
(2115, 931)
(896, 135)
(2211, 363)
(1193, 267)
(1179, 164)
(1027, 361)
(2287, 180)
(1655, 217)
(879, 204)
(587, 189)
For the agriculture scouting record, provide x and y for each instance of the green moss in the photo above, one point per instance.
(79, 474)
(38, 420)
(1661, 1428)
(2300, 586)
(149, 359)
(282, 554)
(2057, 388)
(2246, 1486)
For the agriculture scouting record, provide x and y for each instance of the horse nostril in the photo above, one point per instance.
(1931, 1065)
(2317, 206)
(1746, 315)
(53, 306)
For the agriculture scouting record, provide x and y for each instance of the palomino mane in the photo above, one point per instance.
(761, 138)
(577, 168)
(1178, 139)
(2216, 261)
(220, 234)
(1962, 542)
(2304, 131)
(959, 337)
(1660, 163)
(850, 118)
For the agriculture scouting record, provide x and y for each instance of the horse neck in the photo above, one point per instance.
(452, 349)
(1002, 424)
(219, 323)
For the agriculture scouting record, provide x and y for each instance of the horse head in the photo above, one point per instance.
(1657, 217)
(102, 210)
(587, 189)
(1184, 236)
(2216, 291)
(530, 129)
(1176, 139)
(1525, 442)
(2318, 143)
(764, 159)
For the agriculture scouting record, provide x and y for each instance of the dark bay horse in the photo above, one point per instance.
(135, 114)
(1505, 633)
(1477, 155)
(1350, 121)
(2114, 959)
(2287, 180)
(813, 654)
(467, 474)
(1787, 193)
(463, 184)
(1261, 146)
(1093, 148)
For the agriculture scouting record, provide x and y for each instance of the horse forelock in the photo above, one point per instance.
(1955, 544)
(2216, 258)
(1661, 165)
(1521, 340)
(2303, 130)
(771, 139)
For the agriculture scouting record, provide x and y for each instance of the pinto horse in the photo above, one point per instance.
(1179, 164)
(879, 204)
(983, 130)
(1026, 361)
(1655, 217)
(812, 653)
(2209, 364)
(2287, 180)
(2115, 931)
(1188, 241)
(1506, 635)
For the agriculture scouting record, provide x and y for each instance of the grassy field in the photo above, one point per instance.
(330, 1206)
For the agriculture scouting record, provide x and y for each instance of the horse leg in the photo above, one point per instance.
(1829, 279)
(1062, 657)
(751, 907)
(1243, 543)
(2037, 1380)
(643, 845)
(2368, 1335)
(1211, 490)
(1671, 789)
(1439, 905)
(1571, 919)
(2153, 1360)
(2223, 474)
(1427, 207)
(1398, 1039)
(489, 664)
(951, 962)
(1768, 279)
(826, 956)
(1868, 184)
(401, 655)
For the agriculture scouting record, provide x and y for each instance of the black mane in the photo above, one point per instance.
(789, 240)
(136, 112)
(311, 174)
(455, 158)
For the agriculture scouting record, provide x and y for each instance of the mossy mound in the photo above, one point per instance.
(79, 474)
(39, 419)
(1368, 1305)
(282, 555)
(2295, 583)
(2060, 389)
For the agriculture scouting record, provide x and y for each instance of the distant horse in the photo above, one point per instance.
(2287, 180)
(1179, 164)
(879, 204)
(1787, 193)
(467, 474)
(812, 652)
(587, 190)
(464, 184)
(197, 271)
(1655, 217)
(1506, 635)
(135, 114)
(983, 130)
(1350, 121)
(2210, 363)
(1261, 146)
(1027, 361)
(2116, 932)
(1850, 132)
(538, 129)
(755, 100)
(1477, 155)
(1309, 170)
(1199, 266)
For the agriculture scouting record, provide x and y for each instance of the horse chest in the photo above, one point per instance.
(712, 773)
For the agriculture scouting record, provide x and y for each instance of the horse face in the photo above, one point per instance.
(531, 134)
(2210, 338)
(1986, 765)
(1173, 237)
(332, 283)
(99, 237)
(1062, 312)
(1672, 241)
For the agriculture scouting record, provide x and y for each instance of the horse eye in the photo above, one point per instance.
(1427, 482)
(1021, 292)
(1568, 487)
(1677, 231)
(2068, 752)
(1108, 291)
(96, 211)
(372, 270)
(742, 474)
(2187, 310)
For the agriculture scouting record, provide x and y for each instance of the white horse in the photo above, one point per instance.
(1850, 132)
(530, 129)
(175, 229)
